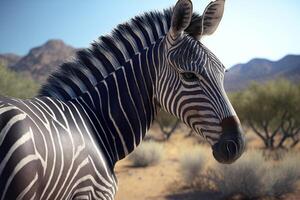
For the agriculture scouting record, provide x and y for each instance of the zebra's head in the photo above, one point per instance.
(190, 83)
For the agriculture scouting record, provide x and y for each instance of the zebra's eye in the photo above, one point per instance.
(189, 76)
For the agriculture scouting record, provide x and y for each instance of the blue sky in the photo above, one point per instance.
(254, 28)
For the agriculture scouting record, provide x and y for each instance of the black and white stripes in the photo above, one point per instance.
(49, 151)
(94, 110)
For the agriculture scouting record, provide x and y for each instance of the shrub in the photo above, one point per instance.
(251, 177)
(240, 178)
(14, 85)
(148, 153)
(192, 164)
(282, 178)
(167, 124)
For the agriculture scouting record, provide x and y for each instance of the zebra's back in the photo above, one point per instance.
(47, 152)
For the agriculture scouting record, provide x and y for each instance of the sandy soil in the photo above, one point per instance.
(153, 182)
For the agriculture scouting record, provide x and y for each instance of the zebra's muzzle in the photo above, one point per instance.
(231, 143)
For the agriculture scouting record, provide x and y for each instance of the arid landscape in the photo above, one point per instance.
(86, 83)
(165, 180)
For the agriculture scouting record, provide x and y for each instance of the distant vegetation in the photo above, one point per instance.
(167, 124)
(15, 85)
(271, 110)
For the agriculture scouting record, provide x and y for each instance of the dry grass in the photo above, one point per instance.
(192, 163)
(241, 178)
(148, 153)
(282, 177)
(250, 177)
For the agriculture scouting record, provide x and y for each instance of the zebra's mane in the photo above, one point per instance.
(92, 65)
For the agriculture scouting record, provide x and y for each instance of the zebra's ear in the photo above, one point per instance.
(208, 22)
(181, 17)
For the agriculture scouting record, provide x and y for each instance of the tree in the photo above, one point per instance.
(167, 124)
(271, 110)
(291, 127)
(14, 85)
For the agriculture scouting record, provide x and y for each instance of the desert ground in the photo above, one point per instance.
(153, 182)
(164, 180)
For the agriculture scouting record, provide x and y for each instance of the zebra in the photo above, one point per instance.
(95, 109)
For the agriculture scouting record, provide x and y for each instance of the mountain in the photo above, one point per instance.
(9, 59)
(43, 60)
(240, 76)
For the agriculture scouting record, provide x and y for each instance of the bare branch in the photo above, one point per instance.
(257, 132)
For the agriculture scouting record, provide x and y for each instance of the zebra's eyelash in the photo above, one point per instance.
(189, 76)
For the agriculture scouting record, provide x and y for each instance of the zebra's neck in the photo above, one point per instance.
(123, 106)
(115, 81)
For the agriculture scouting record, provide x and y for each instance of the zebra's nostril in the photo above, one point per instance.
(231, 147)
(226, 151)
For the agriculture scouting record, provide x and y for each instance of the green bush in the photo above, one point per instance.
(148, 153)
(271, 110)
(14, 85)
(167, 123)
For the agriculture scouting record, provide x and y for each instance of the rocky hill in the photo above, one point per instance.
(9, 59)
(43, 60)
(239, 76)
